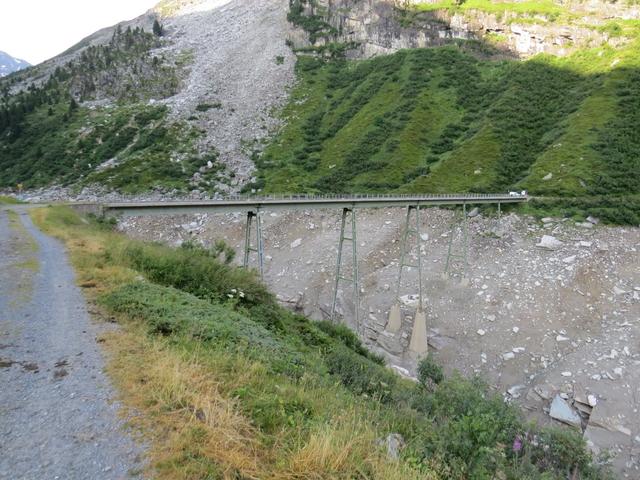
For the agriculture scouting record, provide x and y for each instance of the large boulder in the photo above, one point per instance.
(549, 242)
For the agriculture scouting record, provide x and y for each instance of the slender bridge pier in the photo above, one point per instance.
(348, 205)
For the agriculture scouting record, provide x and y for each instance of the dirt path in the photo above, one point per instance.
(56, 415)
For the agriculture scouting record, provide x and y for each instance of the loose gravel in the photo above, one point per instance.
(57, 416)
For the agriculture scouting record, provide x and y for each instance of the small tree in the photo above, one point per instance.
(158, 29)
(73, 106)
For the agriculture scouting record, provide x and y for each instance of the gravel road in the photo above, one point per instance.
(57, 419)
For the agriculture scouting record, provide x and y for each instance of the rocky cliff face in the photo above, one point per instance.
(385, 26)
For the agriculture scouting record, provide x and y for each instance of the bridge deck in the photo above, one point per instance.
(304, 202)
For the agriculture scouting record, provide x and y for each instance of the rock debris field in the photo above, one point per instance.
(241, 68)
(549, 314)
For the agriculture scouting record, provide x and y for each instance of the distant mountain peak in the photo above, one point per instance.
(9, 64)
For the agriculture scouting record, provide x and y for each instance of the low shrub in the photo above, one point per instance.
(349, 339)
(361, 375)
(429, 372)
(195, 271)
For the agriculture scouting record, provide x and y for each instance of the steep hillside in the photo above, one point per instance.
(91, 112)
(9, 64)
(455, 118)
(176, 108)
(227, 384)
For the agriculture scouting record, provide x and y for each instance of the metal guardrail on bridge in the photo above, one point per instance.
(246, 203)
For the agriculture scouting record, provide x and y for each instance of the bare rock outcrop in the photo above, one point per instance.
(385, 26)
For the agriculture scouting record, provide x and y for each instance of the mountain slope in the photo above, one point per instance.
(175, 113)
(9, 64)
(47, 136)
(195, 111)
(455, 118)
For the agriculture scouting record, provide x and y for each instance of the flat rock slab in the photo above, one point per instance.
(563, 412)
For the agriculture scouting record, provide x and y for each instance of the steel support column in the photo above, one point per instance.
(395, 315)
(248, 248)
(405, 249)
(354, 275)
(460, 257)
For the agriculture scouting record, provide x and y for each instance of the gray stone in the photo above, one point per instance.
(390, 342)
(516, 391)
(562, 411)
(394, 443)
(586, 225)
(549, 242)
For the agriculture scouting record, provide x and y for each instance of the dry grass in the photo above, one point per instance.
(182, 411)
(344, 449)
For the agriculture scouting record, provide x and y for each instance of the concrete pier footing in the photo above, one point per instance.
(418, 346)
(395, 319)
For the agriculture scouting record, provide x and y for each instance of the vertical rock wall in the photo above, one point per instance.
(385, 26)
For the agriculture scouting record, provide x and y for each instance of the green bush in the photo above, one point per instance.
(349, 339)
(429, 372)
(196, 272)
(361, 375)
(205, 107)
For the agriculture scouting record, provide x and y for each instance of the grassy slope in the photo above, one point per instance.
(147, 150)
(226, 384)
(440, 120)
(547, 8)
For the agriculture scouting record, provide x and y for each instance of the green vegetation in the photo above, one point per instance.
(225, 382)
(312, 22)
(540, 7)
(205, 107)
(444, 119)
(46, 136)
(144, 152)
(158, 29)
(4, 200)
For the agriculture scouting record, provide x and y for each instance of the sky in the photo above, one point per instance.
(35, 30)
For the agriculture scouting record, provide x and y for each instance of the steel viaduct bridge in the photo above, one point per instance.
(254, 206)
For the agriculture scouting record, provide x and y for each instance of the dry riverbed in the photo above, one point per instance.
(542, 323)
